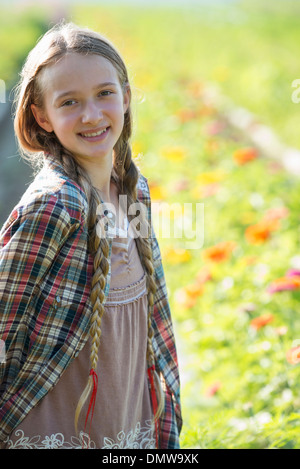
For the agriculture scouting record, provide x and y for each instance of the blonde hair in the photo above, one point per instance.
(34, 141)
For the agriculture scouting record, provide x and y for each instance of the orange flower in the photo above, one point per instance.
(261, 231)
(213, 389)
(193, 290)
(261, 321)
(184, 301)
(245, 155)
(187, 296)
(258, 233)
(293, 355)
(220, 252)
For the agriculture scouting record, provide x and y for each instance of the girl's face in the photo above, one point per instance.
(84, 105)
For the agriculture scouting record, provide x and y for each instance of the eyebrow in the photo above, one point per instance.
(74, 92)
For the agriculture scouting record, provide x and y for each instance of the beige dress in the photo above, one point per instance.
(123, 415)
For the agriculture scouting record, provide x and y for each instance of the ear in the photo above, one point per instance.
(41, 118)
(126, 98)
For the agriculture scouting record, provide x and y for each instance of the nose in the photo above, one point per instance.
(92, 113)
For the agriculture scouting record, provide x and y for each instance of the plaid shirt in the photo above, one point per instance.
(45, 309)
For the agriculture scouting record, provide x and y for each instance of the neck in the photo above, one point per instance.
(100, 175)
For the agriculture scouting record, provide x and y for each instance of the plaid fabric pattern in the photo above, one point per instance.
(45, 309)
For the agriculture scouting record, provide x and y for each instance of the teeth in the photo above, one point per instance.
(94, 134)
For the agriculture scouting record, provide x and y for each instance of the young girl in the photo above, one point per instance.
(84, 316)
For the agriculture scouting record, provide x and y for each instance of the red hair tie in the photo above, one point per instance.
(92, 400)
(151, 370)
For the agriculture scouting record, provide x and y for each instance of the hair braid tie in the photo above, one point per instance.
(151, 371)
(92, 400)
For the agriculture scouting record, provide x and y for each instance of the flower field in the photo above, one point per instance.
(234, 297)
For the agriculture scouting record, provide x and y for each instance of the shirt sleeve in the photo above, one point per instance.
(31, 246)
(29, 243)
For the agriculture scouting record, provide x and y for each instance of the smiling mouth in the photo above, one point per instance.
(93, 134)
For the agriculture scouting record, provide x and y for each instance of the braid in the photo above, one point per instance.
(99, 249)
(97, 297)
(145, 252)
(128, 173)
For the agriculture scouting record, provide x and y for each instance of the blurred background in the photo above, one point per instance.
(216, 122)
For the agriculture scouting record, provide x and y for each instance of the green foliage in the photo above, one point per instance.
(238, 390)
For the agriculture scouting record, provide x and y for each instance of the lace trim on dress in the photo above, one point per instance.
(139, 438)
